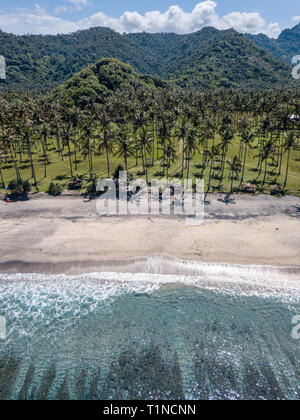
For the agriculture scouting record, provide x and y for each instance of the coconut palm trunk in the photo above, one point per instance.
(244, 164)
(222, 167)
(70, 156)
(183, 157)
(287, 168)
(265, 172)
(188, 166)
(45, 155)
(2, 179)
(107, 161)
(126, 160)
(209, 181)
(31, 159)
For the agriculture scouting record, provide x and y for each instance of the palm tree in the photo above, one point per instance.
(8, 142)
(66, 130)
(139, 120)
(163, 134)
(106, 139)
(235, 167)
(152, 115)
(87, 142)
(56, 127)
(2, 159)
(266, 151)
(169, 153)
(247, 136)
(190, 148)
(45, 133)
(211, 155)
(289, 144)
(26, 127)
(227, 134)
(145, 142)
(203, 141)
(124, 146)
(181, 133)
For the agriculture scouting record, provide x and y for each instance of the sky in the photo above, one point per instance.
(181, 16)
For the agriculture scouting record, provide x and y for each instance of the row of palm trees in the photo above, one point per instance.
(170, 128)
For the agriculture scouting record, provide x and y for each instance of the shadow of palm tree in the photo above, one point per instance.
(197, 175)
(227, 200)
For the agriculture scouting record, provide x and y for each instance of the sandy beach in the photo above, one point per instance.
(49, 234)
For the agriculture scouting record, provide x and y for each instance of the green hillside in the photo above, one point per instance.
(100, 80)
(212, 58)
(285, 47)
(43, 62)
(208, 58)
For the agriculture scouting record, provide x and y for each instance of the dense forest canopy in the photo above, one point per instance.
(205, 59)
(286, 46)
(100, 80)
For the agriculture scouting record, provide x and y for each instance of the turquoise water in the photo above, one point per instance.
(205, 331)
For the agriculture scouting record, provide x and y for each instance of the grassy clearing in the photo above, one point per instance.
(58, 170)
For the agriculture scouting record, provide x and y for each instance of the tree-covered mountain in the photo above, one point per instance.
(208, 58)
(43, 62)
(98, 81)
(286, 46)
(213, 58)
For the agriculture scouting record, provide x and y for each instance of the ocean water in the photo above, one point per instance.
(166, 329)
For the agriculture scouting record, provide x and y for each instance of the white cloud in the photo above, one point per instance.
(251, 23)
(22, 22)
(73, 5)
(296, 19)
(175, 19)
(79, 4)
(39, 10)
(273, 30)
(60, 9)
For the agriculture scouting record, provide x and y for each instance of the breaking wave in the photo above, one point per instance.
(147, 274)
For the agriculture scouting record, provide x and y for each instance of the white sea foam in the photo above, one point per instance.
(146, 275)
(43, 298)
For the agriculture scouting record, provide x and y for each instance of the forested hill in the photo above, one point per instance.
(285, 47)
(44, 62)
(208, 58)
(96, 82)
(212, 58)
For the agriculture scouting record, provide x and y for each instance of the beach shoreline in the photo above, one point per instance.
(66, 234)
